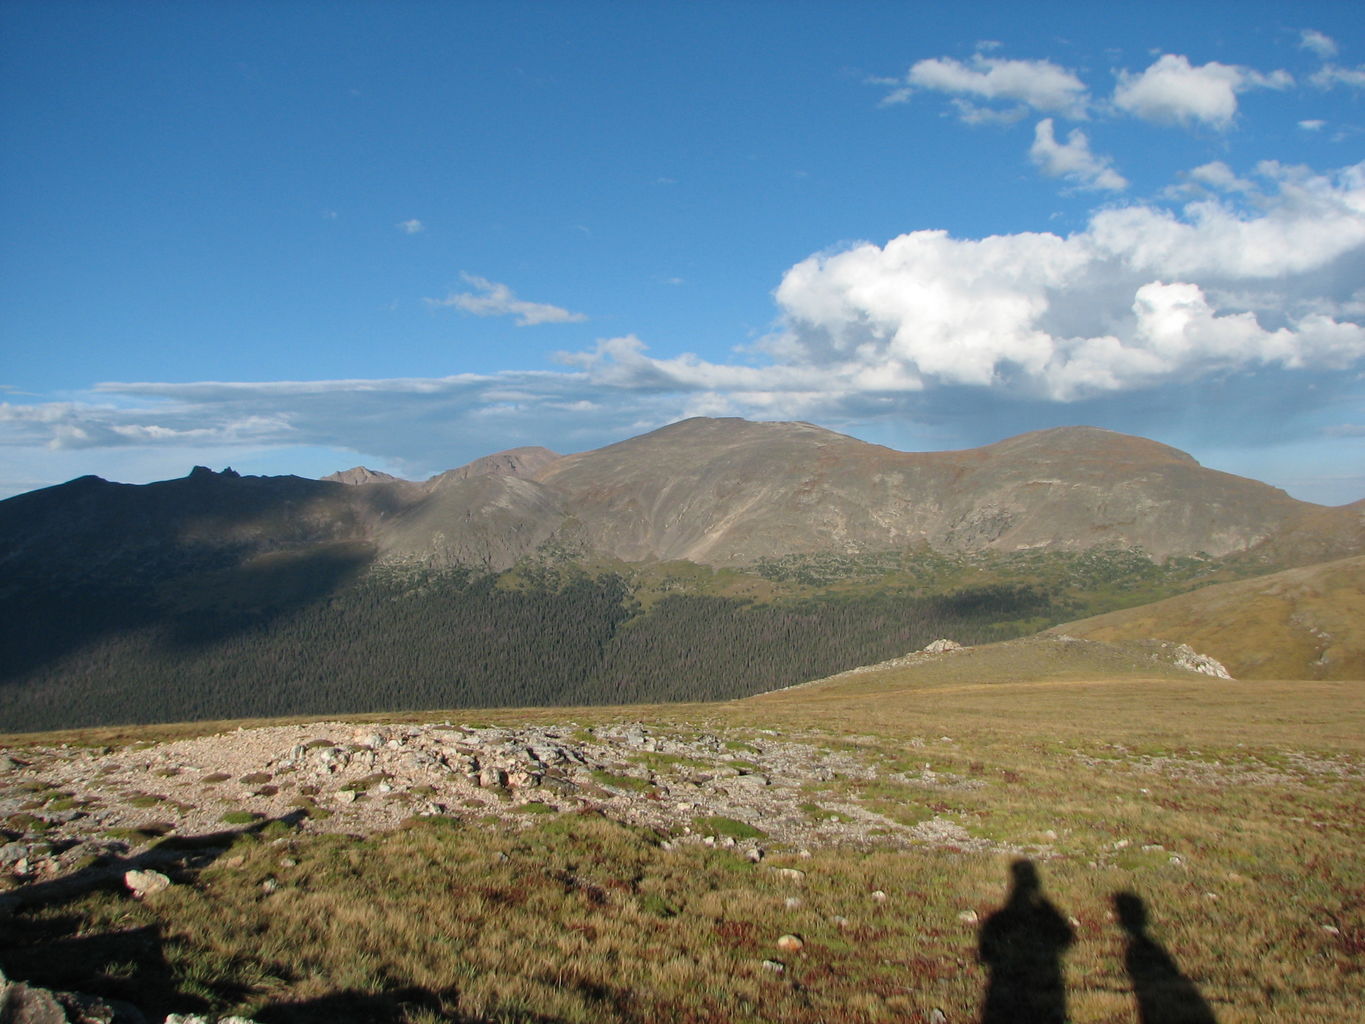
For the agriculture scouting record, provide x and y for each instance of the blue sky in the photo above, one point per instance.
(294, 237)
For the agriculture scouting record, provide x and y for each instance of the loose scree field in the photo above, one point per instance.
(1231, 813)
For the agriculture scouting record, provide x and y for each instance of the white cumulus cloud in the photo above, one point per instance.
(413, 226)
(1144, 295)
(1073, 159)
(1172, 89)
(498, 300)
(1037, 84)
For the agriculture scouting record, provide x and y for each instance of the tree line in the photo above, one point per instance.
(322, 636)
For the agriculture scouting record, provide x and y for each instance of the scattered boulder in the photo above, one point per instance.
(145, 883)
(492, 778)
(12, 853)
(790, 943)
(21, 1003)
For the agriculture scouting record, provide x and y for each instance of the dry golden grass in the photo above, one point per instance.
(1234, 810)
(1305, 623)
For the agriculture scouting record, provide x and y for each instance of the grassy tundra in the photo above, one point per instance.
(1112, 839)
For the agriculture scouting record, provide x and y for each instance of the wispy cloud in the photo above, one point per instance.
(494, 299)
(411, 227)
(1329, 75)
(1317, 42)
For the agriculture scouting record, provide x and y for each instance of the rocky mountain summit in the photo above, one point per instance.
(728, 492)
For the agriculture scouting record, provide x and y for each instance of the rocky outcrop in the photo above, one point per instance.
(328, 776)
(1190, 660)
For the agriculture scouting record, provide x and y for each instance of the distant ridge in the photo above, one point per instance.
(719, 492)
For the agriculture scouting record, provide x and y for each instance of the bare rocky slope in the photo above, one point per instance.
(728, 492)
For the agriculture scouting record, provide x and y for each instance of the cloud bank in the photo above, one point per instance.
(1143, 295)
(1252, 277)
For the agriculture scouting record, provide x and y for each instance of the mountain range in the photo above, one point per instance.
(729, 492)
(239, 591)
(711, 491)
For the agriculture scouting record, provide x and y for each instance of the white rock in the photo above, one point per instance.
(790, 943)
(145, 883)
(1188, 658)
(942, 646)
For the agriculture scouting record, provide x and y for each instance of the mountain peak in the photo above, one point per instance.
(358, 475)
(1092, 442)
(523, 462)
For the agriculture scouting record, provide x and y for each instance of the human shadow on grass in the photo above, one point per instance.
(45, 944)
(1164, 994)
(1022, 945)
